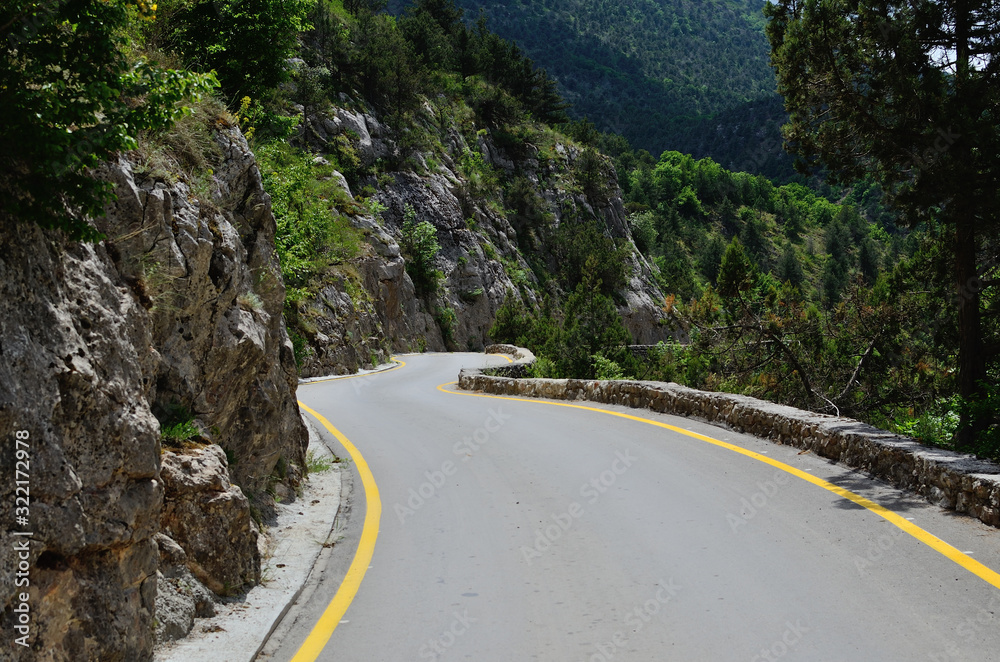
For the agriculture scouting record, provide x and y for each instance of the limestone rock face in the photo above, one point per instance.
(209, 518)
(76, 368)
(178, 309)
(180, 597)
(210, 276)
(350, 326)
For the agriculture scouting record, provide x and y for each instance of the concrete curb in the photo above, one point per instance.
(329, 378)
(241, 627)
(951, 480)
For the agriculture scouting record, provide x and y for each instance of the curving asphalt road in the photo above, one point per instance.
(518, 530)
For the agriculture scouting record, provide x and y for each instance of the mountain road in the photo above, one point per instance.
(504, 529)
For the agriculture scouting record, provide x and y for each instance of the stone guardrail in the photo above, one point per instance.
(642, 352)
(518, 368)
(948, 479)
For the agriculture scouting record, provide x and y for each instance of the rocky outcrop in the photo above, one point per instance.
(472, 260)
(950, 480)
(180, 597)
(482, 256)
(206, 269)
(177, 314)
(209, 518)
(76, 379)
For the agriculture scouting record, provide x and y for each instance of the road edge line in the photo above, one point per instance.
(950, 552)
(321, 633)
(399, 364)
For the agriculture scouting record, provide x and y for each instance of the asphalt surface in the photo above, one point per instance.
(516, 530)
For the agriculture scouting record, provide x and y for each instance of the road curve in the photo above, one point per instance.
(517, 530)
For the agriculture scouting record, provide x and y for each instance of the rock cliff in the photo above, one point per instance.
(173, 320)
(486, 249)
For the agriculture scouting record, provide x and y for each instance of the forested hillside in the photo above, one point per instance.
(666, 74)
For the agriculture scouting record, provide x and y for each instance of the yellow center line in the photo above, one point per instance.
(323, 630)
(975, 567)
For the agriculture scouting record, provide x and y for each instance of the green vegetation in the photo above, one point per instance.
(396, 62)
(665, 74)
(175, 435)
(310, 210)
(420, 246)
(582, 339)
(877, 301)
(246, 42)
(684, 212)
(177, 426)
(317, 464)
(910, 100)
(74, 93)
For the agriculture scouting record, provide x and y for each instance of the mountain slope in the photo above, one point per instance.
(660, 72)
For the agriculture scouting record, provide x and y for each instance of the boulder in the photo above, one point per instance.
(210, 519)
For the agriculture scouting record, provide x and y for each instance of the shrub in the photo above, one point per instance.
(420, 247)
(71, 98)
(312, 233)
(246, 42)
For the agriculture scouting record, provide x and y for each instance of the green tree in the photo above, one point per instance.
(710, 258)
(512, 322)
(906, 92)
(789, 268)
(71, 98)
(868, 260)
(644, 233)
(246, 42)
(737, 273)
(752, 234)
(577, 242)
(676, 273)
(837, 265)
(388, 70)
(431, 26)
(593, 326)
(420, 248)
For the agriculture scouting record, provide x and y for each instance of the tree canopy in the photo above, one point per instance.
(71, 97)
(907, 92)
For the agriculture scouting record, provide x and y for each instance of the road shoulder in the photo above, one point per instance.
(241, 626)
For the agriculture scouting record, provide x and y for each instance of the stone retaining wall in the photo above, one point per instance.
(518, 368)
(950, 480)
(642, 352)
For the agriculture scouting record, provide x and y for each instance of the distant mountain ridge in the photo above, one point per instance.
(662, 73)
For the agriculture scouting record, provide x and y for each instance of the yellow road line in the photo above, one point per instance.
(323, 630)
(975, 567)
(367, 374)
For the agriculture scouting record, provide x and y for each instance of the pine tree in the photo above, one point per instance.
(906, 93)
